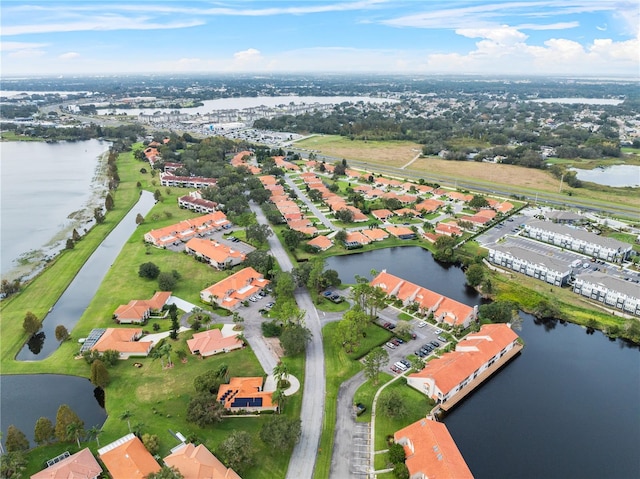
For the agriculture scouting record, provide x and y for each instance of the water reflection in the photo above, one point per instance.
(36, 342)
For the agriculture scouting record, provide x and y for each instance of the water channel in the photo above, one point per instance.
(76, 298)
(567, 407)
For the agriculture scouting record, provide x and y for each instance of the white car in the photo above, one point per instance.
(422, 324)
(438, 331)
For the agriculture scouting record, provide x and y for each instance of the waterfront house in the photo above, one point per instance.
(216, 254)
(197, 462)
(431, 451)
(401, 232)
(212, 341)
(137, 311)
(230, 292)
(246, 394)
(194, 202)
(321, 243)
(554, 270)
(127, 458)
(375, 234)
(610, 290)
(169, 179)
(476, 357)
(81, 465)
(448, 229)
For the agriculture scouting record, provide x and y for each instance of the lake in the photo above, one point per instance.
(246, 102)
(48, 189)
(567, 407)
(27, 397)
(615, 175)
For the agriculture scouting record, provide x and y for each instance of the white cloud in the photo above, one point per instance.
(549, 26)
(26, 54)
(98, 23)
(69, 56)
(12, 46)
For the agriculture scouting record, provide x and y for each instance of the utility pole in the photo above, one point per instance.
(561, 179)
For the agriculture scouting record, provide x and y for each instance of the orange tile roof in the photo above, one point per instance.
(123, 340)
(504, 207)
(138, 310)
(430, 237)
(127, 458)
(431, 451)
(357, 237)
(456, 195)
(321, 242)
(213, 250)
(471, 353)
(268, 180)
(382, 214)
(487, 213)
(429, 205)
(81, 465)
(212, 341)
(398, 231)
(246, 387)
(197, 462)
(187, 229)
(235, 288)
(448, 229)
(407, 211)
(358, 215)
(375, 234)
(477, 219)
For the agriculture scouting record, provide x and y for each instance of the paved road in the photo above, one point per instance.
(303, 459)
(314, 209)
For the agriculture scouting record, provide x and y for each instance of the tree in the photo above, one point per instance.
(95, 431)
(397, 454)
(139, 219)
(151, 443)
(148, 270)
(391, 403)
(258, 233)
(373, 362)
(401, 471)
(288, 312)
(165, 472)
(478, 201)
(166, 281)
(285, 285)
(341, 236)
(99, 374)
(126, 416)
(294, 339)
(98, 215)
(75, 236)
(108, 202)
(345, 215)
(281, 432)
(31, 324)
(64, 417)
(204, 410)
(9, 287)
(292, 238)
(444, 249)
(474, 274)
(12, 464)
(16, 440)
(157, 195)
(208, 382)
(61, 333)
(261, 261)
(497, 311)
(69, 244)
(43, 432)
(75, 430)
(237, 451)
(280, 372)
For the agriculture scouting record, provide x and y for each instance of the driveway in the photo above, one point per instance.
(313, 208)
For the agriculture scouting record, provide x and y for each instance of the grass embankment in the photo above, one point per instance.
(11, 136)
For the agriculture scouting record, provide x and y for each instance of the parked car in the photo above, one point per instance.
(360, 408)
(391, 346)
(270, 305)
(422, 324)
(406, 363)
(394, 341)
(435, 344)
(401, 366)
(327, 294)
(441, 338)
(400, 340)
(438, 331)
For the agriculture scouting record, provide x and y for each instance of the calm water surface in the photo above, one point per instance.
(567, 407)
(27, 397)
(42, 185)
(616, 175)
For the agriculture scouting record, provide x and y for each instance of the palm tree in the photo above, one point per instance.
(280, 372)
(75, 430)
(95, 431)
(126, 415)
(165, 350)
(279, 397)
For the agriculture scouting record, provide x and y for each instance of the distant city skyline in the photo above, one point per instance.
(494, 37)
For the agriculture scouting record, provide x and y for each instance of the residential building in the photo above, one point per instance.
(382, 214)
(448, 229)
(246, 394)
(216, 254)
(565, 217)
(355, 239)
(194, 202)
(231, 291)
(137, 311)
(375, 234)
(322, 243)
(431, 451)
(444, 309)
(197, 462)
(81, 465)
(582, 241)
(552, 269)
(401, 232)
(212, 341)
(473, 359)
(610, 290)
(169, 179)
(429, 205)
(124, 340)
(187, 229)
(127, 458)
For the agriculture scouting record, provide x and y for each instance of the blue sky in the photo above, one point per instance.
(541, 37)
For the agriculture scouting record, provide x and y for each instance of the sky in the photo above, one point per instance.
(491, 37)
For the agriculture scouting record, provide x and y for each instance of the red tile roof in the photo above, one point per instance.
(127, 458)
(239, 286)
(210, 342)
(197, 462)
(81, 465)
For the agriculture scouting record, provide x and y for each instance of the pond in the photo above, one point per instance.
(567, 407)
(26, 397)
(615, 175)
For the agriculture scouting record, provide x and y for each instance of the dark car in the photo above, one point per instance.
(400, 340)
(360, 408)
(327, 293)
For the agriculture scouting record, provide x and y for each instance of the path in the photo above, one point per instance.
(303, 459)
(314, 209)
(410, 162)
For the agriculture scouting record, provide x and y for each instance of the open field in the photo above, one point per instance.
(392, 153)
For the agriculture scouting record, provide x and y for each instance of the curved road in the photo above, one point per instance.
(303, 459)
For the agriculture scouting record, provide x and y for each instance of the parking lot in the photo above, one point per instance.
(360, 449)
(223, 237)
(424, 332)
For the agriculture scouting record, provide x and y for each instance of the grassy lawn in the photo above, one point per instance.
(365, 394)
(374, 336)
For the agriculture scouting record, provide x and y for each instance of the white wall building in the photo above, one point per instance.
(612, 291)
(552, 270)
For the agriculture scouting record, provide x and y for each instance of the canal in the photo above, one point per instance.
(567, 407)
